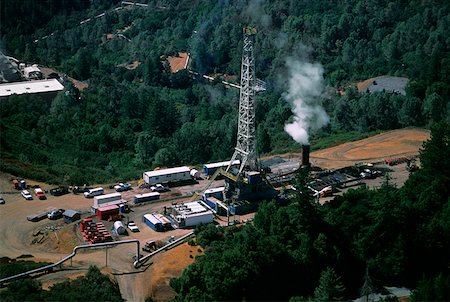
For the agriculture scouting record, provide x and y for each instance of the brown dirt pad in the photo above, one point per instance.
(170, 265)
(396, 143)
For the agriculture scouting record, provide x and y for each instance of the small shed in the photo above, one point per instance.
(105, 212)
(71, 216)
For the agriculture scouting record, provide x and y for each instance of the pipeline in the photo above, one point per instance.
(79, 247)
(136, 263)
(173, 243)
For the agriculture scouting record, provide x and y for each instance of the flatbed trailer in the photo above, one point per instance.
(41, 214)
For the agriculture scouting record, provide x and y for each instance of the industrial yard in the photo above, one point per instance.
(51, 240)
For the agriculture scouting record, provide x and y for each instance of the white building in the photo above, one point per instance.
(167, 175)
(39, 86)
(107, 200)
(190, 214)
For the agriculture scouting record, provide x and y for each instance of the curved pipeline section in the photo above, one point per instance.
(78, 247)
(136, 263)
(173, 243)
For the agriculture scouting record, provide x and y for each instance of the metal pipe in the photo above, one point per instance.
(179, 240)
(78, 247)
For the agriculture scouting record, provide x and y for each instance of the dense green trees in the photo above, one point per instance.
(129, 120)
(94, 284)
(361, 241)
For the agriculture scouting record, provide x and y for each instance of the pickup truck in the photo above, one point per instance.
(122, 187)
(159, 188)
(39, 193)
(132, 226)
(59, 191)
(55, 214)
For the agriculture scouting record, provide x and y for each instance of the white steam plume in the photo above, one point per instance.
(305, 88)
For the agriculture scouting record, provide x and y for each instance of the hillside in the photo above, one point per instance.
(137, 118)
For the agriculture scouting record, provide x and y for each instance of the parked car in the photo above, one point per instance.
(53, 215)
(2, 200)
(26, 194)
(132, 226)
(39, 193)
(122, 187)
(159, 188)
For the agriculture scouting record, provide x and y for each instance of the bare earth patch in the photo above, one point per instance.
(396, 143)
(170, 265)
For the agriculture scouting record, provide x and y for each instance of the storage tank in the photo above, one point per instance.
(195, 174)
(122, 208)
(119, 228)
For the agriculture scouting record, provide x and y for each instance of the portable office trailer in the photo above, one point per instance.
(146, 197)
(113, 198)
(153, 222)
(210, 169)
(167, 175)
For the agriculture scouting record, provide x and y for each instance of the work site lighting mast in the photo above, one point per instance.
(245, 149)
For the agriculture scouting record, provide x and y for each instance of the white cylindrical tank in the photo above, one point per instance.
(195, 174)
(119, 228)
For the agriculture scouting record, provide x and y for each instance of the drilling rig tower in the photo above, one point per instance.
(245, 150)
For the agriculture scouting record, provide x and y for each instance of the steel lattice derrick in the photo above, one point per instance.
(245, 149)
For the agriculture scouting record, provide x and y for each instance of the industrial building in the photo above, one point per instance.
(190, 214)
(216, 205)
(167, 175)
(42, 87)
(106, 212)
(107, 206)
(215, 192)
(33, 73)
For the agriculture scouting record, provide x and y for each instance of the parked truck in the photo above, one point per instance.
(61, 190)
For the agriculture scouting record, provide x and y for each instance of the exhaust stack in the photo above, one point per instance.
(305, 156)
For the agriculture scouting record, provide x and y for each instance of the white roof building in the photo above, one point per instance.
(168, 171)
(39, 86)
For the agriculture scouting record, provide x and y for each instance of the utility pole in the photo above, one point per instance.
(245, 149)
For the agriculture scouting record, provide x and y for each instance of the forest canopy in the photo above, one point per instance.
(130, 120)
(345, 249)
